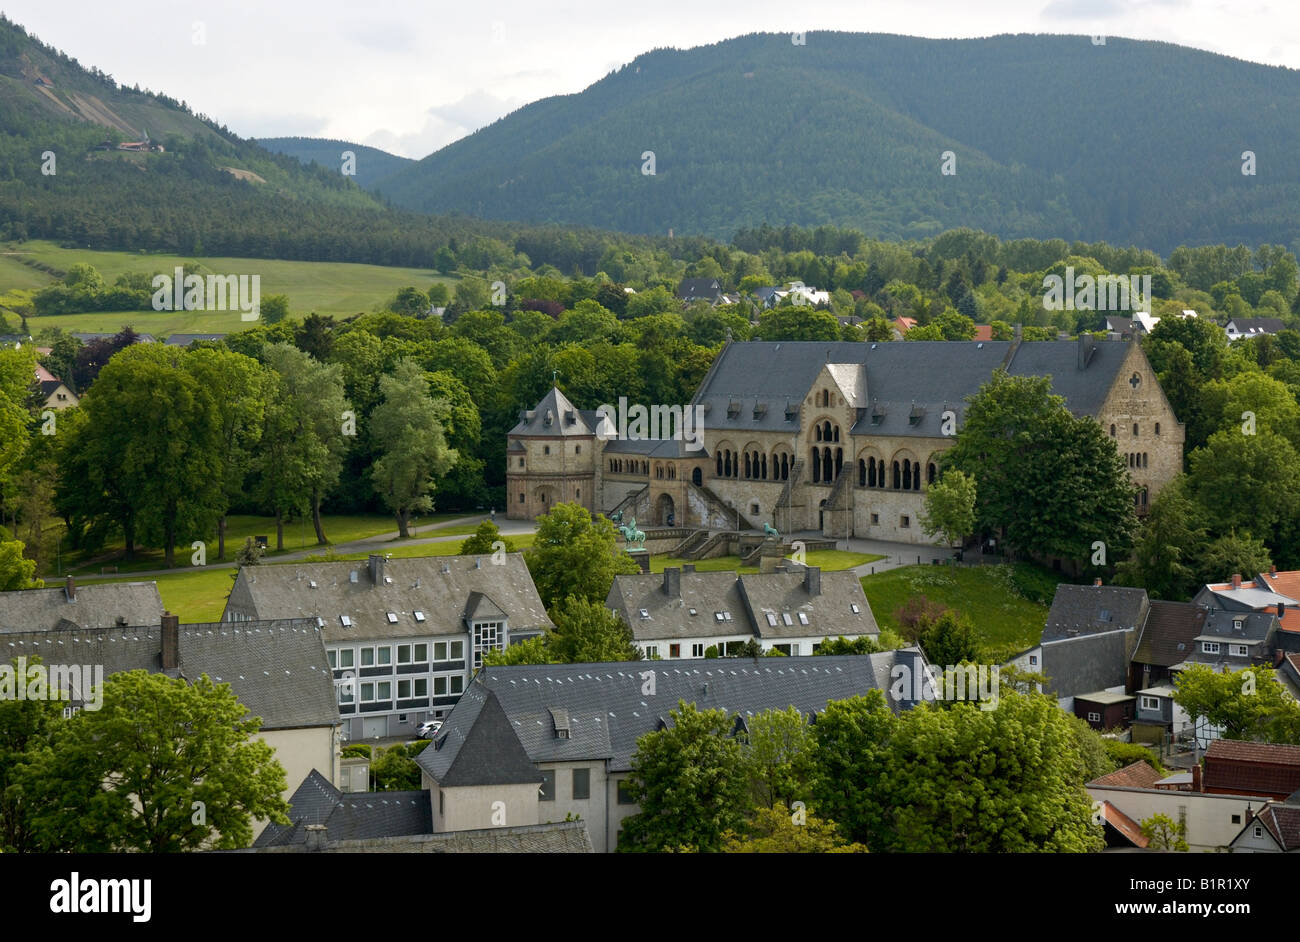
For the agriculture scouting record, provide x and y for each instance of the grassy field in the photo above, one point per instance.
(1007, 604)
(337, 288)
(298, 535)
(829, 560)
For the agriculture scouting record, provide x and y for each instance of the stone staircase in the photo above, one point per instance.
(716, 505)
(711, 544)
(689, 544)
(629, 503)
(784, 503)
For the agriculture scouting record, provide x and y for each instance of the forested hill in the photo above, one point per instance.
(206, 192)
(371, 163)
(1132, 142)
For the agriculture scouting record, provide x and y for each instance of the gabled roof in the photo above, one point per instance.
(1257, 325)
(1086, 664)
(668, 616)
(829, 611)
(184, 340)
(607, 710)
(350, 816)
(480, 748)
(1281, 821)
(1249, 596)
(1287, 584)
(1139, 774)
(1089, 609)
(95, 606)
(439, 588)
(692, 288)
(1255, 626)
(1252, 768)
(556, 417)
(1123, 823)
(277, 669)
(1168, 636)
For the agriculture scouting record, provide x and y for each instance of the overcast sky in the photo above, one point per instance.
(411, 76)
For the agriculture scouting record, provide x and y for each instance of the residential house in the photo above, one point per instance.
(1104, 709)
(277, 669)
(1265, 770)
(683, 613)
(184, 340)
(349, 816)
(537, 743)
(57, 395)
(699, 289)
(1275, 829)
(110, 605)
(1240, 327)
(1136, 793)
(1232, 641)
(1288, 585)
(1088, 641)
(403, 636)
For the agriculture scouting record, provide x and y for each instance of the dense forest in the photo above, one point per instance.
(370, 164)
(1129, 141)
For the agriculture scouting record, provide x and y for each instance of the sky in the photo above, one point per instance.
(411, 77)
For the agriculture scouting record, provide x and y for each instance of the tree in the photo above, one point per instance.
(1163, 834)
(394, 770)
(798, 322)
(24, 724)
(776, 831)
(407, 427)
(16, 370)
(239, 386)
(1167, 555)
(853, 766)
(1246, 704)
(16, 572)
(587, 632)
(1230, 554)
(484, 539)
(948, 640)
(303, 438)
(250, 554)
(572, 554)
(779, 760)
(1050, 483)
(689, 780)
(842, 645)
(950, 508)
(163, 766)
(529, 651)
(274, 308)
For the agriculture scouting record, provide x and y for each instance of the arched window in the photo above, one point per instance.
(816, 466)
(916, 475)
(1135, 429)
(839, 461)
(719, 464)
(872, 480)
(898, 477)
(907, 475)
(931, 472)
(826, 431)
(827, 473)
(765, 467)
(1144, 459)
(1112, 430)
(862, 473)
(785, 467)
(1157, 428)
(747, 464)
(817, 433)
(837, 433)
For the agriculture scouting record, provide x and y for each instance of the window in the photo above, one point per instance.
(674, 650)
(392, 618)
(1150, 703)
(521, 497)
(652, 651)
(457, 684)
(384, 656)
(546, 449)
(577, 449)
(875, 518)
(645, 613)
(1210, 647)
(785, 617)
(853, 607)
(367, 693)
(1157, 428)
(582, 783)
(440, 686)
(384, 690)
(625, 793)
(753, 508)
(487, 637)
(771, 619)
(421, 686)
(403, 690)
(521, 462)
(803, 618)
(367, 657)
(333, 656)
(726, 616)
(345, 692)
(1236, 819)
(440, 650)
(1033, 660)
(419, 617)
(1238, 650)
(403, 654)
(345, 657)
(905, 521)
(458, 650)
(1112, 431)
(697, 650)
(345, 621)
(421, 654)
(1135, 429)
(1094, 717)
(1259, 830)
(547, 791)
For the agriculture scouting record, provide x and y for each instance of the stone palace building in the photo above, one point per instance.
(839, 437)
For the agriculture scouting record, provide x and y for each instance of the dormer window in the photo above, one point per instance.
(803, 618)
(771, 619)
(345, 621)
(419, 616)
(645, 613)
(392, 618)
(1210, 647)
(854, 609)
(785, 617)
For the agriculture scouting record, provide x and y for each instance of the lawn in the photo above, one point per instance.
(829, 560)
(338, 288)
(298, 535)
(1006, 604)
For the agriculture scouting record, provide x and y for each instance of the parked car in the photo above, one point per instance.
(429, 729)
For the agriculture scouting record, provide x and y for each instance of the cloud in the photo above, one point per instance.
(475, 110)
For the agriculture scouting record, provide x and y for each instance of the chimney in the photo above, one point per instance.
(1281, 610)
(672, 582)
(1272, 571)
(1087, 343)
(1097, 582)
(317, 836)
(812, 580)
(70, 589)
(1236, 580)
(171, 642)
(1197, 784)
(376, 565)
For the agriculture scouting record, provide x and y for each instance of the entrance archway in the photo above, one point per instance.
(697, 477)
(821, 516)
(665, 511)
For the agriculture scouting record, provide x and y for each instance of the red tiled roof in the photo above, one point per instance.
(1138, 775)
(1254, 768)
(1283, 822)
(905, 324)
(1285, 583)
(1123, 823)
(983, 331)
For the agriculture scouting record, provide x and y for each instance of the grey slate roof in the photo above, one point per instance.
(655, 448)
(95, 606)
(184, 340)
(350, 816)
(440, 587)
(829, 612)
(276, 669)
(481, 748)
(693, 288)
(1169, 633)
(669, 616)
(607, 710)
(555, 416)
(1255, 626)
(902, 379)
(1087, 663)
(1079, 610)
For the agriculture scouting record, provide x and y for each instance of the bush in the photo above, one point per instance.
(1126, 753)
(353, 750)
(916, 613)
(711, 652)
